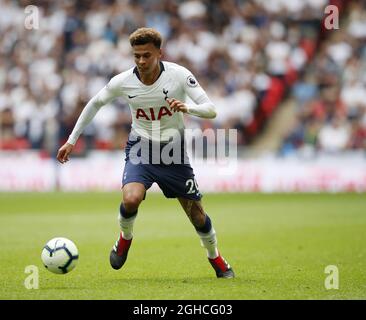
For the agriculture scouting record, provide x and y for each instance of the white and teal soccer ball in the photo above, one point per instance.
(60, 255)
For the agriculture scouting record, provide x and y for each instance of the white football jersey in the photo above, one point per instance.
(152, 117)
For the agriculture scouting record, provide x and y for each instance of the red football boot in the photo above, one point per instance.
(221, 267)
(119, 252)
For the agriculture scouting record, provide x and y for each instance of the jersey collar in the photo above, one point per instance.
(162, 68)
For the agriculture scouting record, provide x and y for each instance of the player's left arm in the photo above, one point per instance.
(203, 107)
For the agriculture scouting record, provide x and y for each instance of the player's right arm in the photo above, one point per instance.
(111, 91)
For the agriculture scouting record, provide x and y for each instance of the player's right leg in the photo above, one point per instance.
(133, 194)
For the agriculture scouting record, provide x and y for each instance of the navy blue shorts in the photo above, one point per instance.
(175, 180)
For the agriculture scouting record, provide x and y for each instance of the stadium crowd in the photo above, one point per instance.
(331, 95)
(246, 54)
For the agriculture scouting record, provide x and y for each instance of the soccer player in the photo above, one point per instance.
(156, 92)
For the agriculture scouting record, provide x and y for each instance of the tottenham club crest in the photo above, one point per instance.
(192, 82)
(166, 93)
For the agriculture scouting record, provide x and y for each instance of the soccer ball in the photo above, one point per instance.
(60, 255)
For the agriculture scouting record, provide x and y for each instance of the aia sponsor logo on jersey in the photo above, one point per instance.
(151, 115)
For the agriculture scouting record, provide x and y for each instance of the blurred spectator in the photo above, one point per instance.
(335, 135)
(7, 126)
(358, 136)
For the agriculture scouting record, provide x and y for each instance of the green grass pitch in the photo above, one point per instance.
(279, 246)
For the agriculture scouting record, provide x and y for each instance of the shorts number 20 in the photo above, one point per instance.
(192, 185)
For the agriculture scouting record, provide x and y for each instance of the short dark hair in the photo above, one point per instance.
(144, 36)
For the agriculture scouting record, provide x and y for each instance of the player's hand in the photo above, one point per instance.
(63, 152)
(177, 105)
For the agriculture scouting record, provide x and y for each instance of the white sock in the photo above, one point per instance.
(126, 226)
(209, 241)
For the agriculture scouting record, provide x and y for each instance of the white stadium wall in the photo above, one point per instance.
(29, 171)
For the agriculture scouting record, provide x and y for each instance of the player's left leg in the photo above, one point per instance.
(203, 225)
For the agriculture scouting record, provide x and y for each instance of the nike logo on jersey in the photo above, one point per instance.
(131, 97)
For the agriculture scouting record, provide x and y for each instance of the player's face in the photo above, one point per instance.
(147, 57)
